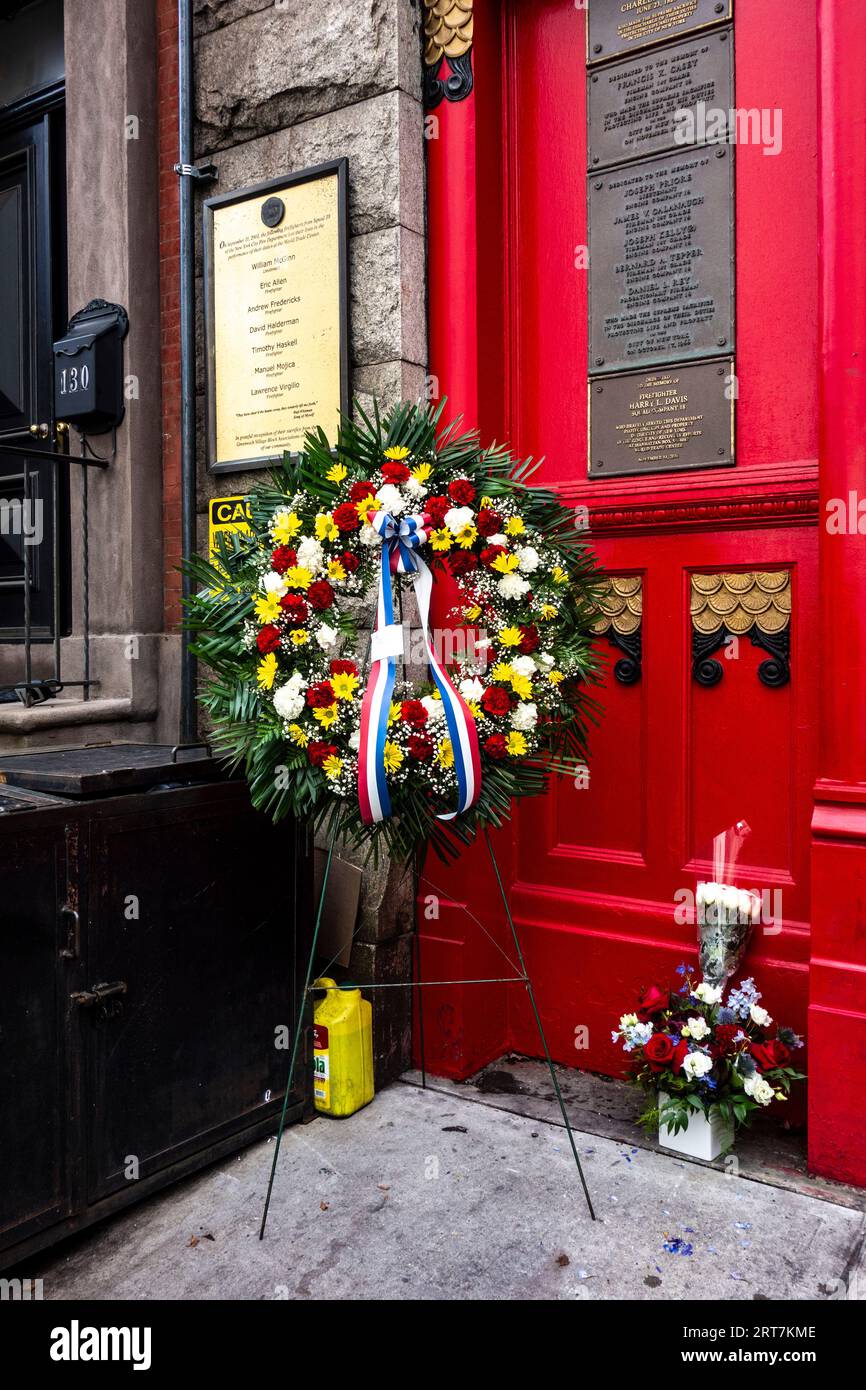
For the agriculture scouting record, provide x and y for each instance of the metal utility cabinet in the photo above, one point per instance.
(150, 925)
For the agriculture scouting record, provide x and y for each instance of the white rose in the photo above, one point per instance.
(512, 586)
(528, 558)
(458, 517)
(326, 637)
(759, 1089)
(523, 665)
(288, 701)
(697, 1064)
(369, 536)
(698, 1028)
(434, 708)
(709, 994)
(274, 583)
(760, 1016)
(524, 717)
(310, 555)
(471, 689)
(390, 499)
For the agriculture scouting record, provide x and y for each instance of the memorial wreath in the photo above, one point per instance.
(324, 717)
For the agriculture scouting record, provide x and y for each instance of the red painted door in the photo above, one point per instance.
(595, 872)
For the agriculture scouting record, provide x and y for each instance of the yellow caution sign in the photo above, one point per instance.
(227, 514)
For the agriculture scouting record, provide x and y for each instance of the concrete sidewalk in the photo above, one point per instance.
(429, 1195)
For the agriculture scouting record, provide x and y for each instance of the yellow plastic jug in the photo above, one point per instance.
(342, 1050)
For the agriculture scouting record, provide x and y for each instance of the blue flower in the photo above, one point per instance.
(725, 1016)
(681, 969)
(742, 999)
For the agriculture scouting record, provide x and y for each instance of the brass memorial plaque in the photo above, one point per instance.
(620, 26)
(661, 421)
(648, 104)
(661, 281)
(276, 307)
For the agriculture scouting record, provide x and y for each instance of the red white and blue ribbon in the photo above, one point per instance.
(401, 541)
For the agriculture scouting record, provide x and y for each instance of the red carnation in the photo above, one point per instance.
(268, 639)
(321, 695)
(349, 561)
(489, 522)
(659, 1051)
(652, 1001)
(462, 562)
(295, 609)
(413, 712)
(394, 472)
(283, 558)
(723, 1042)
(320, 595)
(490, 553)
(495, 700)
(343, 668)
(318, 753)
(346, 517)
(495, 746)
(359, 491)
(770, 1054)
(462, 492)
(436, 509)
(529, 639)
(419, 747)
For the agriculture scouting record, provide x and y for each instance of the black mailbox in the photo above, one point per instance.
(88, 368)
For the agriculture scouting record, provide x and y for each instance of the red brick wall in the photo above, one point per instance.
(169, 280)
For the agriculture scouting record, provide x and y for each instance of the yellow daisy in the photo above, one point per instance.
(365, 505)
(506, 564)
(336, 474)
(467, 536)
(267, 609)
(470, 614)
(332, 767)
(266, 671)
(397, 453)
(299, 636)
(422, 472)
(559, 575)
(514, 526)
(516, 744)
(510, 636)
(392, 756)
(395, 712)
(298, 577)
(336, 570)
(344, 685)
(522, 686)
(486, 502)
(556, 677)
(475, 709)
(502, 671)
(286, 526)
(441, 540)
(445, 753)
(297, 735)
(326, 527)
(327, 716)
(549, 610)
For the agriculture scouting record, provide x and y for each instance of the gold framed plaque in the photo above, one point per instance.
(276, 315)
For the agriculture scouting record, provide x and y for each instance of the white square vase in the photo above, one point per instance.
(702, 1138)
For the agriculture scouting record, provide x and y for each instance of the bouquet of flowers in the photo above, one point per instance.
(725, 914)
(705, 1053)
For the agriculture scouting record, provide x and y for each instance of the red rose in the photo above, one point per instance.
(659, 1051)
(494, 746)
(320, 696)
(343, 668)
(529, 640)
(490, 553)
(495, 700)
(358, 491)
(320, 595)
(346, 517)
(462, 492)
(268, 639)
(419, 747)
(651, 1002)
(770, 1054)
(462, 562)
(349, 561)
(295, 609)
(489, 522)
(394, 472)
(318, 753)
(681, 1052)
(436, 509)
(413, 712)
(283, 558)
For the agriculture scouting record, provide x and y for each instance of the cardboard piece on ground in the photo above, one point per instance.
(340, 908)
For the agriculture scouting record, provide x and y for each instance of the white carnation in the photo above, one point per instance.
(472, 688)
(289, 701)
(512, 586)
(528, 558)
(310, 555)
(355, 740)
(274, 583)
(458, 517)
(697, 1064)
(326, 637)
(434, 708)
(545, 661)
(523, 665)
(369, 536)
(498, 539)
(417, 489)
(390, 499)
(525, 716)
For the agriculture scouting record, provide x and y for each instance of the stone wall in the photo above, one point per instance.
(281, 86)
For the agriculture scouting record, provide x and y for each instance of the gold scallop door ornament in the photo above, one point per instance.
(448, 34)
(620, 620)
(742, 604)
